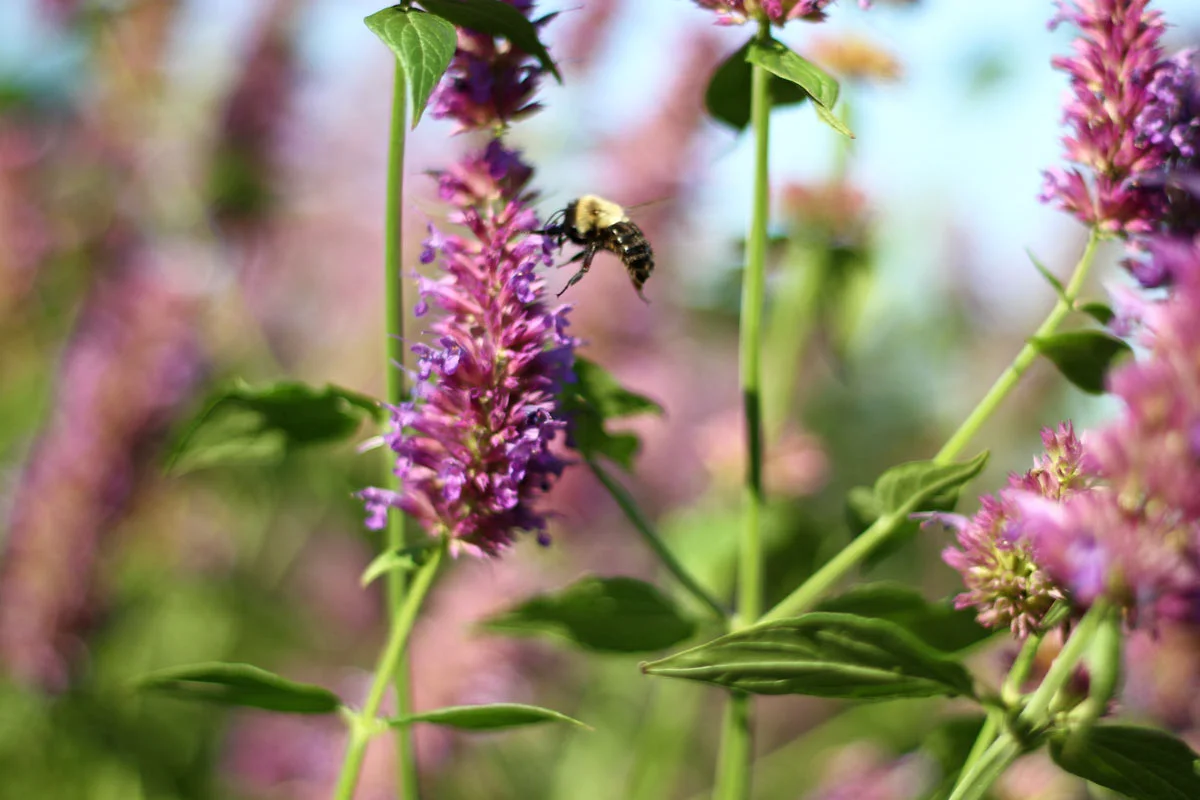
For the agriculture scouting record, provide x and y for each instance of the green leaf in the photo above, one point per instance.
(915, 486)
(240, 685)
(776, 58)
(424, 43)
(616, 615)
(939, 625)
(823, 655)
(1140, 763)
(590, 401)
(243, 424)
(495, 716)
(1051, 279)
(405, 559)
(1101, 312)
(495, 18)
(1083, 357)
(611, 400)
(727, 97)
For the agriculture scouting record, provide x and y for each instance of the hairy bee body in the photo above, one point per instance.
(597, 224)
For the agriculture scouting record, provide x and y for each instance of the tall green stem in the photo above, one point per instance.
(737, 745)
(654, 541)
(397, 536)
(821, 581)
(1011, 376)
(1038, 707)
(365, 724)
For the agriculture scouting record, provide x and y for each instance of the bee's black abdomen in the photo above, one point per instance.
(627, 241)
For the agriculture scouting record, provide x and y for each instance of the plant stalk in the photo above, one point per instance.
(364, 724)
(655, 542)
(396, 535)
(737, 742)
(1012, 376)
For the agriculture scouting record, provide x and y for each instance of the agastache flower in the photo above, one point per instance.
(736, 12)
(1133, 122)
(490, 82)
(1004, 580)
(1132, 533)
(473, 447)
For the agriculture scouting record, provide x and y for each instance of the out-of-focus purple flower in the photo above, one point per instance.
(1133, 536)
(1132, 120)
(1171, 117)
(1095, 545)
(1003, 578)
(132, 359)
(473, 447)
(1153, 449)
(736, 12)
(490, 82)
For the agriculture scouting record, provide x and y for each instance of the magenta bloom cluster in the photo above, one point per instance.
(736, 12)
(1116, 517)
(474, 445)
(1004, 579)
(1131, 119)
(490, 82)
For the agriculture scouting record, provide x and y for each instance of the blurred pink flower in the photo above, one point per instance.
(132, 358)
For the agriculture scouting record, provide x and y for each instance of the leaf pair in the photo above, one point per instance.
(425, 41)
(250, 687)
(794, 80)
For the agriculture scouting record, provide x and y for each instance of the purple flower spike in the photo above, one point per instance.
(736, 12)
(490, 82)
(1133, 121)
(473, 450)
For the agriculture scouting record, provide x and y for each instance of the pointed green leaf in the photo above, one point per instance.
(404, 559)
(1083, 357)
(1101, 312)
(1139, 763)
(495, 716)
(424, 43)
(916, 486)
(1054, 282)
(495, 18)
(617, 615)
(727, 97)
(590, 401)
(939, 625)
(824, 655)
(240, 685)
(600, 389)
(244, 424)
(776, 58)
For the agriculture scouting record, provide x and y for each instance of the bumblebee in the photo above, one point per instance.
(598, 224)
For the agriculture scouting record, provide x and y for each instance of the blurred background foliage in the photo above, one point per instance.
(191, 191)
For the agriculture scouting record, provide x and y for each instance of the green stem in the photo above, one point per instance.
(1011, 376)
(364, 724)
(825, 578)
(396, 536)
(737, 741)
(736, 757)
(1037, 709)
(655, 542)
(975, 782)
(1010, 693)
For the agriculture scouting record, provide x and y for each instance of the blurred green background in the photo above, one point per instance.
(192, 191)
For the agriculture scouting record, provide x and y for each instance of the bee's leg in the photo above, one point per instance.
(587, 256)
(645, 299)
